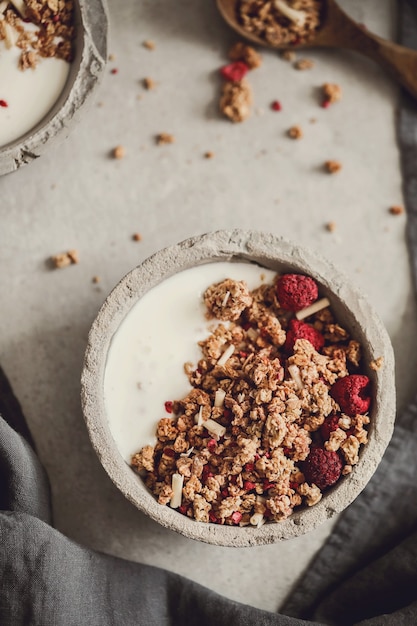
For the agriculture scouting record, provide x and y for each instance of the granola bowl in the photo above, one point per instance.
(53, 53)
(238, 389)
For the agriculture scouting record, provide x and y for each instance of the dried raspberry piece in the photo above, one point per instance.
(248, 485)
(353, 394)
(296, 291)
(300, 330)
(234, 72)
(212, 445)
(329, 425)
(168, 406)
(4, 104)
(276, 105)
(322, 467)
(236, 517)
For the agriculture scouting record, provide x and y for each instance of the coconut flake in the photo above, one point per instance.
(226, 297)
(298, 17)
(257, 520)
(11, 35)
(294, 371)
(176, 484)
(214, 427)
(240, 397)
(188, 453)
(226, 355)
(313, 308)
(198, 418)
(219, 397)
(252, 334)
(20, 6)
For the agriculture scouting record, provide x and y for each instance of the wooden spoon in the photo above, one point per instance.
(338, 30)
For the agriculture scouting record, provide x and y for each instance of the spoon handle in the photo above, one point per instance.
(398, 61)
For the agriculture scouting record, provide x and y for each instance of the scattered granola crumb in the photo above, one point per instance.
(304, 64)
(64, 259)
(208, 155)
(28, 60)
(118, 152)
(164, 138)
(331, 93)
(95, 279)
(149, 83)
(242, 52)
(376, 364)
(332, 167)
(288, 55)
(331, 227)
(396, 210)
(295, 132)
(235, 100)
(313, 120)
(112, 57)
(137, 237)
(149, 45)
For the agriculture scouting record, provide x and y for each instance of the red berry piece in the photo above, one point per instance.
(234, 71)
(168, 406)
(276, 105)
(3, 104)
(329, 425)
(301, 330)
(296, 291)
(236, 517)
(212, 445)
(322, 467)
(353, 394)
(248, 485)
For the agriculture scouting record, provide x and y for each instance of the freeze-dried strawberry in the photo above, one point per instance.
(301, 330)
(296, 291)
(234, 72)
(353, 394)
(322, 467)
(329, 425)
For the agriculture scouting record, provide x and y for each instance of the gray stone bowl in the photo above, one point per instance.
(91, 22)
(351, 309)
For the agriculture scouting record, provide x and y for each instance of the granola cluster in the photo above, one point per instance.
(54, 33)
(281, 22)
(261, 432)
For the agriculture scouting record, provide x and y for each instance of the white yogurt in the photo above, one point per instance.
(30, 94)
(145, 362)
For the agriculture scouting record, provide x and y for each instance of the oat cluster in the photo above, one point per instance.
(54, 36)
(281, 22)
(238, 444)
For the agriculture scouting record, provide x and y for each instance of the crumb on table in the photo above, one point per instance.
(235, 100)
(288, 55)
(304, 64)
(164, 138)
(331, 226)
(331, 93)
(137, 237)
(149, 45)
(149, 83)
(118, 152)
(64, 259)
(332, 166)
(376, 364)
(242, 52)
(396, 210)
(295, 132)
(209, 154)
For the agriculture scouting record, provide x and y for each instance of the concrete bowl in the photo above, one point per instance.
(351, 309)
(91, 23)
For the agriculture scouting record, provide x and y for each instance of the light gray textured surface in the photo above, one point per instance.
(76, 197)
(352, 311)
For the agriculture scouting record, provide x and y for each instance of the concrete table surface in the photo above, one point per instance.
(77, 196)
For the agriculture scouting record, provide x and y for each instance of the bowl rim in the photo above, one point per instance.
(85, 73)
(273, 252)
